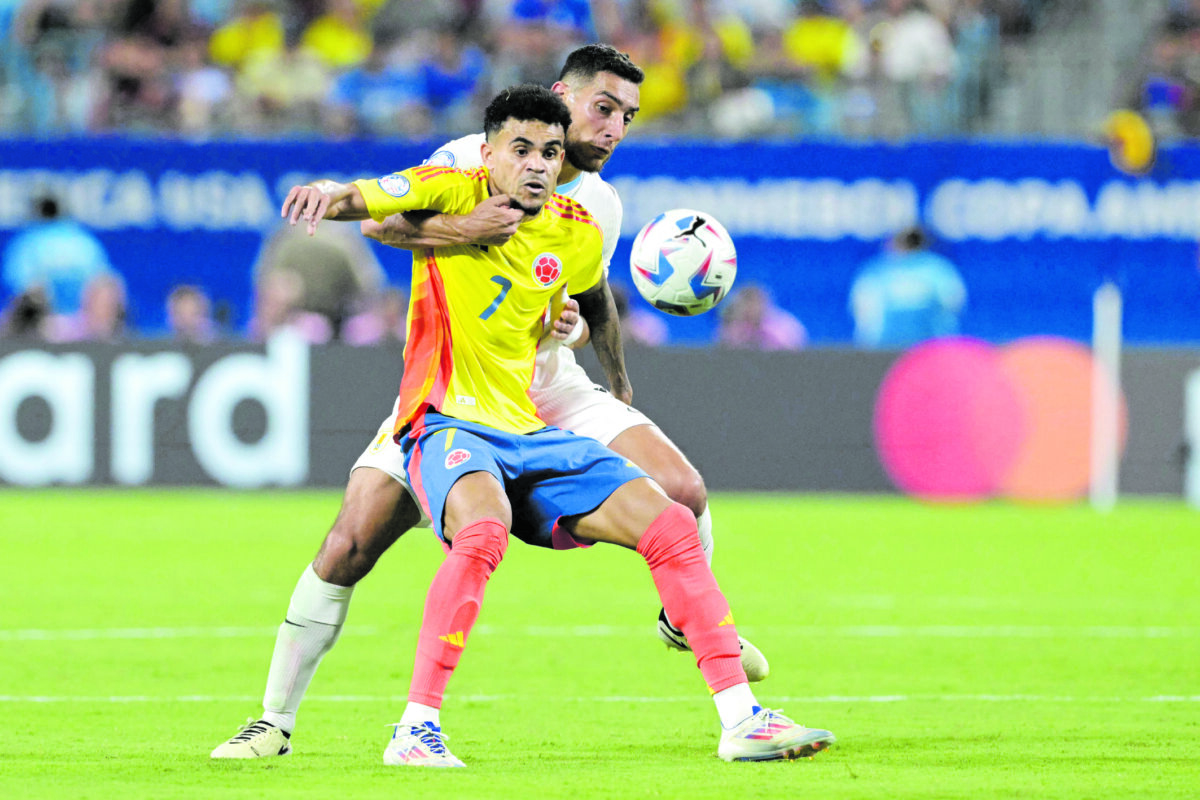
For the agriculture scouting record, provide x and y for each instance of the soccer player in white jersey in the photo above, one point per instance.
(600, 86)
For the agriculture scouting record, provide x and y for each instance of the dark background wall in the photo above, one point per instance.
(290, 415)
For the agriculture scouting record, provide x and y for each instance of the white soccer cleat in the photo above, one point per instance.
(255, 739)
(753, 661)
(419, 746)
(771, 736)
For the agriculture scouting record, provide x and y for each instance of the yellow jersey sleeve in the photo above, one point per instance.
(430, 187)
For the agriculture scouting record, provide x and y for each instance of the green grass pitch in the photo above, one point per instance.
(986, 651)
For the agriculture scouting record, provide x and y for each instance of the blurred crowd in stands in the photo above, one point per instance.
(1169, 89)
(420, 68)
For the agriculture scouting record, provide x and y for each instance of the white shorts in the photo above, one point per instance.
(565, 397)
(385, 455)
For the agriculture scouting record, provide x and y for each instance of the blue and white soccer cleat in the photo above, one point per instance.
(770, 736)
(255, 739)
(753, 661)
(419, 746)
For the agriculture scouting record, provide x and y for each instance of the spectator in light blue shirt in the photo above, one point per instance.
(55, 254)
(906, 295)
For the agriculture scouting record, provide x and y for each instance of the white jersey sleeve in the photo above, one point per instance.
(463, 153)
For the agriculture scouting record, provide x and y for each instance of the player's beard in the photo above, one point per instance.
(581, 159)
(529, 210)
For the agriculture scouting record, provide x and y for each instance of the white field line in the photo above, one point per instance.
(186, 632)
(491, 698)
(602, 631)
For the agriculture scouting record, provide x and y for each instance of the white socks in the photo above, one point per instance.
(314, 620)
(735, 704)
(419, 713)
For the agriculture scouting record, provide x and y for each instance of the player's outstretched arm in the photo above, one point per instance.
(599, 310)
(492, 222)
(323, 199)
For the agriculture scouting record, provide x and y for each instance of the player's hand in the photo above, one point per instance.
(568, 318)
(308, 203)
(492, 222)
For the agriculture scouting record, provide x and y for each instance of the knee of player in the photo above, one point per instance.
(353, 545)
(342, 559)
(486, 540)
(686, 486)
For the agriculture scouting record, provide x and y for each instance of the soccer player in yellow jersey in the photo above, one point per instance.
(483, 464)
(601, 87)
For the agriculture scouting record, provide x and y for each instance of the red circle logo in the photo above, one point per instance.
(546, 268)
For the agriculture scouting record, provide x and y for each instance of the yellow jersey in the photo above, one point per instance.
(475, 313)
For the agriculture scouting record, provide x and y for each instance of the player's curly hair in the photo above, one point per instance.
(526, 102)
(585, 62)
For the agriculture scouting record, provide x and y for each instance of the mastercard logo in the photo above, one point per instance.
(960, 419)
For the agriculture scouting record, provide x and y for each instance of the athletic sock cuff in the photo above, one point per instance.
(319, 601)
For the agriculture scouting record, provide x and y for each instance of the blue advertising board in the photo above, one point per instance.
(1034, 229)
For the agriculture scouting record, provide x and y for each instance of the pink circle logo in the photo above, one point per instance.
(546, 268)
(456, 457)
(959, 419)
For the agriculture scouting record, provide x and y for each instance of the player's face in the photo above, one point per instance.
(601, 112)
(523, 159)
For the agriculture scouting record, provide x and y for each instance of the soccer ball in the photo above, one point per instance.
(683, 262)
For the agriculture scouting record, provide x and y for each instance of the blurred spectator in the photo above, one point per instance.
(906, 295)
(27, 316)
(45, 56)
(403, 21)
(916, 61)
(534, 37)
(718, 83)
(211, 13)
(1183, 16)
(255, 28)
(282, 91)
(751, 320)
(384, 322)
(339, 37)
(453, 82)
(137, 91)
(102, 316)
(380, 99)
(336, 268)
(55, 254)
(278, 298)
(637, 324)
(1168, 88)
(976, 37)
(666, 42)
(189, 316)
(202, 90)
(803, 66)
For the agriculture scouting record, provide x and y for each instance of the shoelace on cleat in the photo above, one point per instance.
(251, 730)
(434, 740)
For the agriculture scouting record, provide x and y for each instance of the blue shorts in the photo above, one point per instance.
(547, 474)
